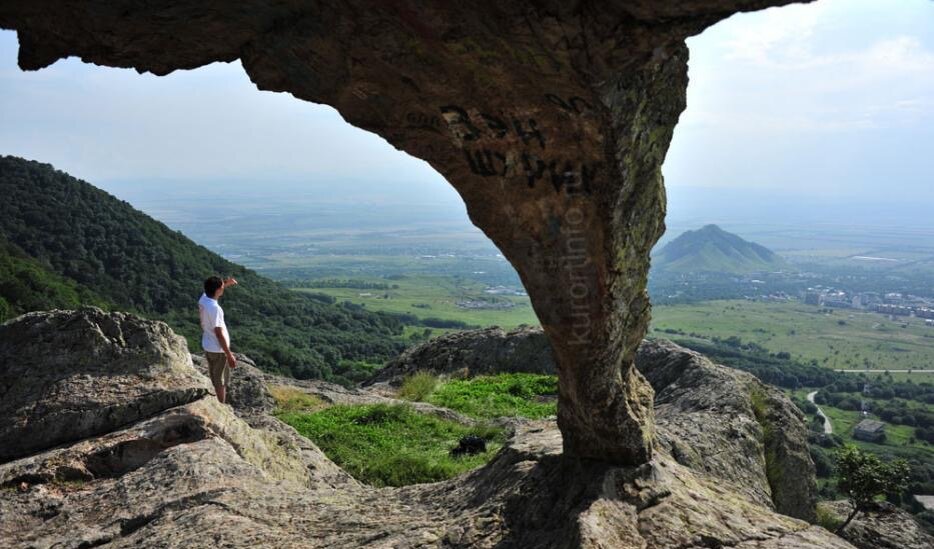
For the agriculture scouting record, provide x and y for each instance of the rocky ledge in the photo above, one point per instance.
(194, 473)
(885, 527)
(472, 353)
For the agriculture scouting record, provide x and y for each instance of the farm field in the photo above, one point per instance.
(843, 339)
(436, 297)
(899, 438)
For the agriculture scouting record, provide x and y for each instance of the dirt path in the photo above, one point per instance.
(828, 427)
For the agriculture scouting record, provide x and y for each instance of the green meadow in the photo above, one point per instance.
(394, 445)
(843, 339)
(431, 296)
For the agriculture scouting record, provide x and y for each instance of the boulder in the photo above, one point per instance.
(67, 375)
(884, 527)
(732, 426)
(472, 353)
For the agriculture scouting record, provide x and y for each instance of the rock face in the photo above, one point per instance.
(731, 426)
(197, 474)
(473, 353)
(67, 376)
(551, 119)
(247, 392)
(886, 527)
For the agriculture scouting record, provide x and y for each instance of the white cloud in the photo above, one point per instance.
(800, 68)
(774, 35)
(831, 94)
(900, 54)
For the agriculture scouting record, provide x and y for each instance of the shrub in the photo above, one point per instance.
(823, 464)
(290, 399)
(863, 476)
(418, 386)
(827, 518)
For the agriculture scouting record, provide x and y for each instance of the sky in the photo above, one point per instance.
(834, 98)
(829, 104)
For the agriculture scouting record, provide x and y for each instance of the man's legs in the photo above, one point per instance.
(220, 374)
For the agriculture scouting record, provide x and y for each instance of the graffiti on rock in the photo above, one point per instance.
(509, 146)
(571, 176)
(487, 163)
(467, 128)
(575, 104)
(423, 121)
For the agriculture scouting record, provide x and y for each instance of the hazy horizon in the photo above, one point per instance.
(814, 115)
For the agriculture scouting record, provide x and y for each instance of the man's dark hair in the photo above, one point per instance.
(212, 284)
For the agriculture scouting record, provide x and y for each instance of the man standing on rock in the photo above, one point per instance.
(214, 338)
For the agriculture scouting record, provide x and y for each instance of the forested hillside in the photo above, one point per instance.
(69, 243)
(26, 285)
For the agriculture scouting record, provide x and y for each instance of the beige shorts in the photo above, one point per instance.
(218, 368)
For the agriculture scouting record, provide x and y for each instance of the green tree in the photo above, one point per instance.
(863, 476)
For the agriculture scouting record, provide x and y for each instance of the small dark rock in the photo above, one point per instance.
(469, 446)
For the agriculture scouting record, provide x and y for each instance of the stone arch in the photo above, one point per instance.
(550, 119)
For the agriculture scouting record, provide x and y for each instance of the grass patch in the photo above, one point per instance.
(290, 399)
(773, 470)
(418, 386)
(392, 445)
(827, 518)
(759, 407)
(488, 397)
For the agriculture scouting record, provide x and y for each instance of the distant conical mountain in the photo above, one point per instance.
(711, 249)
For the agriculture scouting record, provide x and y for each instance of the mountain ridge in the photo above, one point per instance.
(125, 259)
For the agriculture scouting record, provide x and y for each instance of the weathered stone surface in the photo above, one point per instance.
(472, 353)
(197, 475)
(886, 527)
(551, 119)
(730, 425)
(67, 375)
(247, 392)
(203, 493)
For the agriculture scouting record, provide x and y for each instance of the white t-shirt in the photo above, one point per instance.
(212, 316)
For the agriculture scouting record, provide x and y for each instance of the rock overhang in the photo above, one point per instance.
(550, 119)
